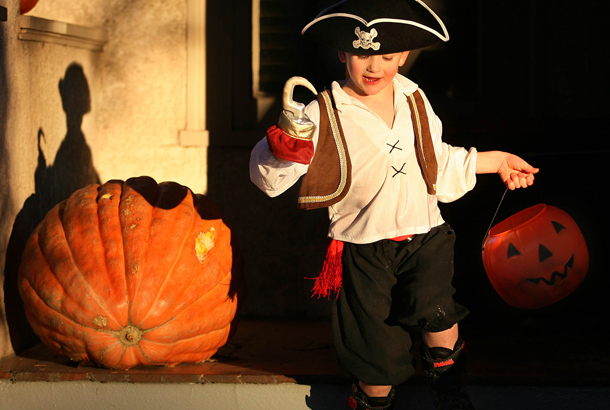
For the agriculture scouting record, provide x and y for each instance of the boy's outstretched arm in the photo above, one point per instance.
(514, 171)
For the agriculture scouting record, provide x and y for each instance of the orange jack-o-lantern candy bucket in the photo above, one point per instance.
(536, 257)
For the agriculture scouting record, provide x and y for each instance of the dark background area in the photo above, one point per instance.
(527, 77)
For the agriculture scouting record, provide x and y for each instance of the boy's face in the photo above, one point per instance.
(369, 75)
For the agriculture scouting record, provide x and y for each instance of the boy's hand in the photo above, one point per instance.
(516, 173)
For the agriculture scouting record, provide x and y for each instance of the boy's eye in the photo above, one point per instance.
(388, 58)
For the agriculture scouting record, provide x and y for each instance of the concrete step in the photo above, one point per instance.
(291, 365)
(82, 395)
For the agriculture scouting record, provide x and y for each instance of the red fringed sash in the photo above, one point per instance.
(330, 278)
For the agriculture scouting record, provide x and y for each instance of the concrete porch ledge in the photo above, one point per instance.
(262, 352)
(279, 365)
(301, 352)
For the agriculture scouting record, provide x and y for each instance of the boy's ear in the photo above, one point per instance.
(403, 58)
(342, 56)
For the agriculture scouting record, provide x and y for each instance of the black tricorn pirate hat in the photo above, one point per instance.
(370, 27)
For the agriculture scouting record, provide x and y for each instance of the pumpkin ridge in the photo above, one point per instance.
(204, 264)
(92, 291)
(65, 331)
(192, 351)
(184, 307)
(128, 196)
(171, 271)
(99, 300)
(38, 238)
(34, 289)
(104, 350)
(222, 309)
(106, 239)
(152, 329)
(146, 356)
(72, 321)
(120, 360)
(115, 333)
(53, 338)
(101, 307)
(220, 282)
(215, 300)
(186, 339)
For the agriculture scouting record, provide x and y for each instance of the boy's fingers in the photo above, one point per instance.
(519, 180)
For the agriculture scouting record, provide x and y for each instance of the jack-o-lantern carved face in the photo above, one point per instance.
(536, 257)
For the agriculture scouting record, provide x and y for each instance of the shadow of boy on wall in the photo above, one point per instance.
(72, 169)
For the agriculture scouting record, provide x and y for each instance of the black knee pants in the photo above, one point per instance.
(388, 288)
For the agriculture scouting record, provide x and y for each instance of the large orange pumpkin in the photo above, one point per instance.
(536, 257)
(132, 273)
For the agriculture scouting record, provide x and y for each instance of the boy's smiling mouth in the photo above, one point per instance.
(371, 80)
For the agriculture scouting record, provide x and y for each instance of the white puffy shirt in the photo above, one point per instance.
(388, 196)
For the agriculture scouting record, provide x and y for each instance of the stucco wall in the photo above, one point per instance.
(136, 89)
(32, 117)
(142, 98)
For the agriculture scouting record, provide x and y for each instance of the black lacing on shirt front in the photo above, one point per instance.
(399, 171)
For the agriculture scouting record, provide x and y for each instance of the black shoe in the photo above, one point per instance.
(360, 401)
(446, 378)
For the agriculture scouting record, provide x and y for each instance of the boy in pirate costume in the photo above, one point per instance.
(370, 150)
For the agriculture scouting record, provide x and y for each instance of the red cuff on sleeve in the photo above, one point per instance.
(286, 147)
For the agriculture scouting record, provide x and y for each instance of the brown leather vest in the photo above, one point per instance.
(328, 178)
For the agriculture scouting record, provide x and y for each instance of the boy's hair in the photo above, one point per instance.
(377, 27)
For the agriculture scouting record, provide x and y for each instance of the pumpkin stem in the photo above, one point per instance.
(130, 335)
